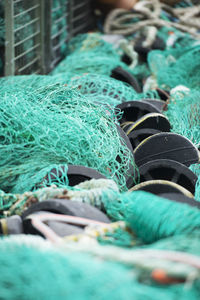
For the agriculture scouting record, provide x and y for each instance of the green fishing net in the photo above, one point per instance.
(33, 269)
(189, 243)
(171, 71)
(89, 53)
(89, 62)
(184, 113)
(64, 127)
(33, 83)
(107, 90)
(151, 217)
(87, 42)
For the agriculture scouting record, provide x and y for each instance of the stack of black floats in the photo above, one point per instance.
(163, 158)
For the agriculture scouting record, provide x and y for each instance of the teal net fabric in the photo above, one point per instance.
(46, 273)
(171, 71)
(57, 125)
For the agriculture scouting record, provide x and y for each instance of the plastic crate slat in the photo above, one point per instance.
(17, 1)
(59, 32)
(29, 64)
(26, 25)
(80, 16)
(27, 51)
(27, 38)
(36, 46)
(27, 11)
(61, 18)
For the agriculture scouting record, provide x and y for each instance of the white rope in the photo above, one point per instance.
(149, 13)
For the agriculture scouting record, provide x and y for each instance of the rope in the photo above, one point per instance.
(149, 13)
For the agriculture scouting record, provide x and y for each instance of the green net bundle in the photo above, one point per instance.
(89, 53)
(189, 243)
(89, 62)
(171, 71)
(90, 42)
(31, 269)
(33, 83)
(151, 217)
(63, 128)
(107, 90)
(184, 113)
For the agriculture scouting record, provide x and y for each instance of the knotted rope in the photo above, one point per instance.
(149, 13)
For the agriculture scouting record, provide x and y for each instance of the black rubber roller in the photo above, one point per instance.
(152, 120)
(166, 146)
(159, 104)
(164, 95)
(158, 187)
(125, 138)
(76, 174)
(11, 225)
(120, 74)
(130, 173)
(170, 170)
(67, 207)
(133, 110)
(137, 136)
(60, 228)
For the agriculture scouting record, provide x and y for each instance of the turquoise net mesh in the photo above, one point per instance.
(183, 113)
(171, 71)
(48, 122)
(63, 128)
(47, 273)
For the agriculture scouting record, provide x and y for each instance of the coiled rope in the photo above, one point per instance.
(149, 13)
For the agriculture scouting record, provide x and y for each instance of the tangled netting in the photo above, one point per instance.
(51, 274)
(171, 69)
(104, 89)
(48, 122)
(166, 219)
(36, 84)
(89, 53)
(184, 113)
(63, 128)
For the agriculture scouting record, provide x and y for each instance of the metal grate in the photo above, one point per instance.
(24, 42)
(37, 32)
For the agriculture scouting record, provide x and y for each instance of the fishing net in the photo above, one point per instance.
(189, 243)
(32, 83)
(90, 192)
(64, 127)
(166, 219)
(171, 71)
(89, 53)
(89, 62)
(90, 42)
(48, 273)
(107, 90)
(184, 113)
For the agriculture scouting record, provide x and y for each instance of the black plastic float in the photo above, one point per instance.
(158, 187)
(168, 170)
(152, 120)
(120, 74)
(168, 146)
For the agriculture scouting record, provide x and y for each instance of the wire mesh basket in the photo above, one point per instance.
(37, 31)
